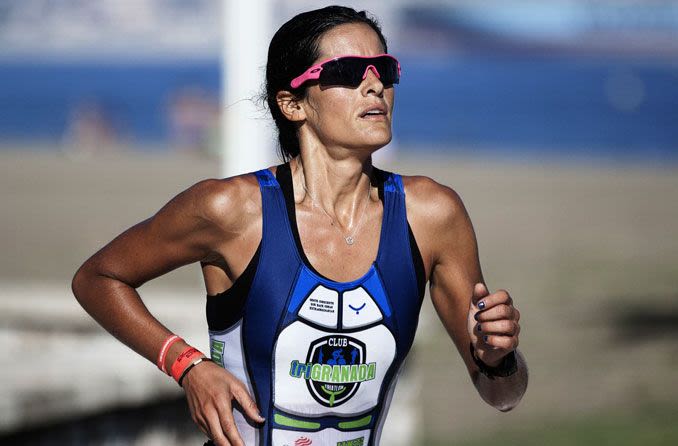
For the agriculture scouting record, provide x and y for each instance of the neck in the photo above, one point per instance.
(339, 186)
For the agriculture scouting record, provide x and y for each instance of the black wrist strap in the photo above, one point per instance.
(507, 367)
(196, 362)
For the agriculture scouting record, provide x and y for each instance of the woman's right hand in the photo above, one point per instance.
(210, 391)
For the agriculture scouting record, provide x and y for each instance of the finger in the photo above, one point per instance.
(196, 416)
(248, 405)
(216, 431)
(479, 292)
(504, 342)
(228, 426)
(500, 311)
(502, 327)
(496, 298)
(200, 422)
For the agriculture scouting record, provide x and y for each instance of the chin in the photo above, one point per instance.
(377, 140)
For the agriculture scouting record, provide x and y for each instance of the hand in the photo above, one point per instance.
(492, 324)
(210, 391)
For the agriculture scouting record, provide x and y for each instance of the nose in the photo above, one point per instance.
(373, 69)
(371, 79)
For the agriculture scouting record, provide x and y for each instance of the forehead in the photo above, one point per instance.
(350, 38)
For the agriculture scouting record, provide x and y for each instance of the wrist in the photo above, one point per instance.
(493, 364)
(187, 370)
(506, 366)
(164, 350)
(173, 354)
(187, 359)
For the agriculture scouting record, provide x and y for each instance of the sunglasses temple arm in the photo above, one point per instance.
(310, 74)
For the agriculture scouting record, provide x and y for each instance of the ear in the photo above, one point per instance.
(290, 106)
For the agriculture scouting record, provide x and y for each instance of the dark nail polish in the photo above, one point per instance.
(479, 329)
(485, 338)
(475, 316)
(481, 304)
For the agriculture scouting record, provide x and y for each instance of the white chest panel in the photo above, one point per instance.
(321, 307)
(359, 309)
(321, 372)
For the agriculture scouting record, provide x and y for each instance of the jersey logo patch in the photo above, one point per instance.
(334, 368)
(360, 441)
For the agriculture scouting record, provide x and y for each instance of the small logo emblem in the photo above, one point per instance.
(357, 310)
(303, 441)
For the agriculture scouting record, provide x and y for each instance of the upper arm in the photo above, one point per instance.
(185, 230)
(447, 237)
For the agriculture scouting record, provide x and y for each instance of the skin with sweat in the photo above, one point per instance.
(218, 223)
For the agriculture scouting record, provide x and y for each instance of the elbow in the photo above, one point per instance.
(83, 280)
(79, 282)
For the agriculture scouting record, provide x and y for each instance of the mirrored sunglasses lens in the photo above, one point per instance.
(345, 71)
(349, 71)
(388, 68)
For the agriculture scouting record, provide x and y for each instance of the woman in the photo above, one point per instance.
(314, 269)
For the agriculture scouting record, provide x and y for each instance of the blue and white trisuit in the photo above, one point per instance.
(320, 357)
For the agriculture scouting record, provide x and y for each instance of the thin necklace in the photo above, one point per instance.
(349, 239)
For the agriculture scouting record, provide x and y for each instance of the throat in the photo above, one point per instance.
(326, 250)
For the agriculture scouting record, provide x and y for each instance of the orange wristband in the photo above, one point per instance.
(184, 360)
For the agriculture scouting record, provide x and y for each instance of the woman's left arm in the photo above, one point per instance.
(482, 325)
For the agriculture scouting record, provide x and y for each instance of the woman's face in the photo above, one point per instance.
(335, 115)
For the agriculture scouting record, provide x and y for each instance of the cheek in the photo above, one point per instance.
(336, 109)
(389, 95)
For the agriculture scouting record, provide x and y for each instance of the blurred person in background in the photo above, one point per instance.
(192, 116)
(90, 130)
(315, 269)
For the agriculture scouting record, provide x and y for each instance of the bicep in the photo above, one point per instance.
(455, 272)
(178, 234)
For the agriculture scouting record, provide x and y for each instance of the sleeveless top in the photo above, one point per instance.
(320, 357)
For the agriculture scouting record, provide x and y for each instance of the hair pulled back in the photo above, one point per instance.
(293, 49)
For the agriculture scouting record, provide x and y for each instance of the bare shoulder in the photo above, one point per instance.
(437, 217)
(430, 203)
(225, 199)
(228, 202)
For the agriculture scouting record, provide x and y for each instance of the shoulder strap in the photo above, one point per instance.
(266, 178)
(393, 182)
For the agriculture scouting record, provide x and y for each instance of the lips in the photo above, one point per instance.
(374, 110)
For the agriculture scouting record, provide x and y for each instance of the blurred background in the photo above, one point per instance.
(556, 122)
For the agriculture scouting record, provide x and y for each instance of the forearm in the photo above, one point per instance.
(503, 393)
(118, 308)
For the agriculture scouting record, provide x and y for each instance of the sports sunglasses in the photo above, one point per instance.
(350, 71)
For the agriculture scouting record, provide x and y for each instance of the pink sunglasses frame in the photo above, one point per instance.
(314, 72)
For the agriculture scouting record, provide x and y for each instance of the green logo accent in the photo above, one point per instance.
(217, 351)
(364, 421)
(355, 442)
(291, 422)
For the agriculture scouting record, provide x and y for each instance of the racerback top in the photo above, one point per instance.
(320, 357)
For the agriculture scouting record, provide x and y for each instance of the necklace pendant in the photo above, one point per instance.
(349, 240)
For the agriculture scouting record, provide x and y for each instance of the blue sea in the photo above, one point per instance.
(503, 104)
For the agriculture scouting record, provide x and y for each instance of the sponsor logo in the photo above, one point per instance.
(355, 442)
(334, 368)
(303, 441)
(217, 351)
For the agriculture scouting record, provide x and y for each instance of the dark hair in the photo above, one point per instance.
(294, 48)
